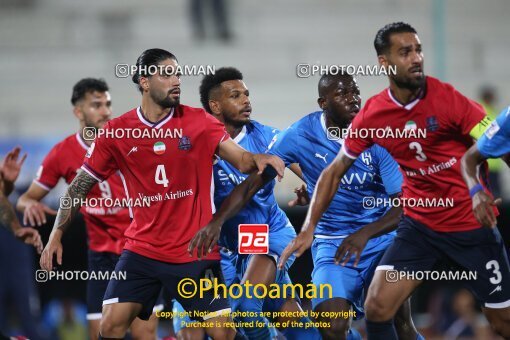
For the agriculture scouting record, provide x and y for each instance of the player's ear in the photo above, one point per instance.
(144, 83)
(322, 103)
(77, 112)
(383, 61)
(215, 107)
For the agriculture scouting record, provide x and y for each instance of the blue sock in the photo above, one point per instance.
(381, 330)
(300, 333)
(353, 334)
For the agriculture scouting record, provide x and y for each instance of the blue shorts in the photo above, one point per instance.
(482, 251)
(146, 277)
(347, 282)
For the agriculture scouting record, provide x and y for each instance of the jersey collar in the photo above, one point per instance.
(323, 124)
(155, 125)
(81, 142)
(408, 106)
(241, 135)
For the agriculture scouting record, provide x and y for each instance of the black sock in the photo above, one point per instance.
(381, 330)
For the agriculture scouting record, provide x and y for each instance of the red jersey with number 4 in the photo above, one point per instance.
(430, 165)
(170, 165)
(105, 222)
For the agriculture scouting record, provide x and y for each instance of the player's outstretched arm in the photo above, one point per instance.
(325, 190)
(247, 162)
(8, 218)
(207, 237)
(482, 203)
(34, 212)
(11, 168)
(354, 244)
(76, 192)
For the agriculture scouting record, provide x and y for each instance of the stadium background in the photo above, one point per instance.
(48, 45)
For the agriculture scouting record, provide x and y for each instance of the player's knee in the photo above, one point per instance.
(244, 304)
(143, 333)
(501, 325)
(376, 310)
(221, 333)
(338, 329)
(109, 328)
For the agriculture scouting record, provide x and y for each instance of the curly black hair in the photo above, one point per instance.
(213, 81)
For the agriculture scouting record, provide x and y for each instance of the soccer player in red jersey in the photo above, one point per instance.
(430, 164)
(105, 224)
(9, 171)
(170, 166)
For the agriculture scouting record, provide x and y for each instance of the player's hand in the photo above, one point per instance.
(483, 208)
(30, 236)
(10, 166)
(262, 160)
(351, 246)
(302, 197)
(205, 240)
(35, 213)
(54, 247)
(298, 245)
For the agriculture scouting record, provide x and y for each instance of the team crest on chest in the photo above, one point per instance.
(432, 124)
(184, 143)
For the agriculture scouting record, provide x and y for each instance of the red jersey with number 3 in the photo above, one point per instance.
(105, 224)
(430, 165)
(170, 165)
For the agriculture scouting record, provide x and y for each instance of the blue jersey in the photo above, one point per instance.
(495, 142)
(373, 174)
(263, 207)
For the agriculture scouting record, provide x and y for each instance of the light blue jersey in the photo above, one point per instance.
(373, 174)
(495, 142)
(263, 207)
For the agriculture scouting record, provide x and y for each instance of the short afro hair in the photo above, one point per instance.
(87, 85)
(382, 38)
(213, 81)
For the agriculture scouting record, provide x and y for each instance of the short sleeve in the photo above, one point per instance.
(216, 132)
(468, 115)
(495, 142)
(284, 145)
(99, 160)
(49, 172)
(389, 171)
(353, 146)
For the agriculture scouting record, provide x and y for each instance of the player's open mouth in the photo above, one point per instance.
(246, 112)
(416, 71)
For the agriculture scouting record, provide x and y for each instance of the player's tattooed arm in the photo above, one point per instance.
(354, 244)
(325, 190)
(483, 204)
(207, 237)
(76, 192)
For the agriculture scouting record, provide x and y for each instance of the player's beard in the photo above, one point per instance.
(408, 82)
(234, 122)
(165, 101)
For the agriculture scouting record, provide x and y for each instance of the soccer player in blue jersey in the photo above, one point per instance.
(348, 233)
(494, 143)
(226, 97)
